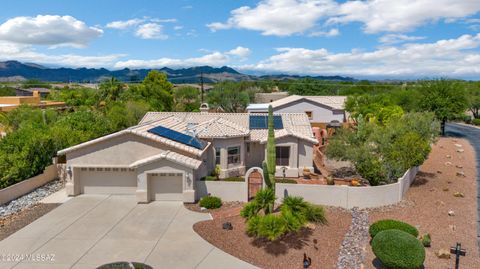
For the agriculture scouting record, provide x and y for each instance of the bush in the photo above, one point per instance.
(234, 179)
(250, 210)
(293, 223)
(476, 122)
(210, 202)
(286, 180)
(426, 240)
(389, 224)
(316, 214)
(208, 178)
(252, 225)
(398, 250)
(272, 227)
(296, 204)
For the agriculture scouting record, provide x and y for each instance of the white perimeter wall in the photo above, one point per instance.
(341, 196)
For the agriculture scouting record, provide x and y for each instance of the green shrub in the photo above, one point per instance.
(426, 240)
(293, 223)
(296, 204)
(250, 210)
(286, 180)
(252, 225)
(398, 250)
(210, 202)
(476, 122)
(316, 214)
(208, 178)
(272, 227)
(265, 199)
(388, 224)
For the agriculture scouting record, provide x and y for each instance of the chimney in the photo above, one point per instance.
(204, 108)
(36, 94)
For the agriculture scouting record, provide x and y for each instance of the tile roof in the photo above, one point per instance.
(334, 102)
(171, 156)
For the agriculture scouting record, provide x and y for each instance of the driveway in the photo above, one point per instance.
(472, 134)
(91, 230)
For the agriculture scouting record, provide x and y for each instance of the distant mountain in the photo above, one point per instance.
(14, 70)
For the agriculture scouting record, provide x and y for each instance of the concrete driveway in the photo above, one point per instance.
(91, 230)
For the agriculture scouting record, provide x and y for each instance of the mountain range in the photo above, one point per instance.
(17, 71)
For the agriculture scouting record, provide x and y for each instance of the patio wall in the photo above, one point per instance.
(349, 197)
(226, 190)
(23, 187)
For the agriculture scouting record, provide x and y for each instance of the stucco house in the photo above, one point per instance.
(163, 156)
(321, 110)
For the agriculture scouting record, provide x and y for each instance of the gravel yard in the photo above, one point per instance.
(449, 169)
(322, 243)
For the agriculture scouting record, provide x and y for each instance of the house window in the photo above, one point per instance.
(217, 155)
(283, 156)
(233, 155)
(309, 114)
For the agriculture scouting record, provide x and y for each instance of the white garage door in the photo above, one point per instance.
(166, 187)
(108, 181)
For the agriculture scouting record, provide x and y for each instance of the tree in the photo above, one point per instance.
(158, 91)
(229, 96)
(445, 98)
(186, 99)
(110, 90)
(126, 114)
(7, 91)
(473, 92)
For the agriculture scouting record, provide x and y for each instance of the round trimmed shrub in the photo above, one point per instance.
(388, 224)
(210, 202)
(398, 250)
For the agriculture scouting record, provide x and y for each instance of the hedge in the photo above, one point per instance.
(388, 224)
(210, 202)
(398, 250)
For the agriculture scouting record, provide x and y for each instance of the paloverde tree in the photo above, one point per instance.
(110, 90)
(445, 98)
(473, 93)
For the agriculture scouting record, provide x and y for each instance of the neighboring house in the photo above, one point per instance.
(163, 156)
(44, 92)
(321, 110)
(8, 103)
(268, 97)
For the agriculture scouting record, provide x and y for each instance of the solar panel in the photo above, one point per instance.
(261, 122)
(178, 137)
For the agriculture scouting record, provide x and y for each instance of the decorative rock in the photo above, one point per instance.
(351, 254)
(440, 203)
(460, 173)
(30, 199)
(460, 150)
(202, 209)
(439, 172)
(451, 213)
(452, 227)
(311, 226)
(227, 226)
(449, 182)
(448, 156)
(446, 189)
(443, 253)
(459, 194)
(448, 164)
(459, 166)
(458, 145)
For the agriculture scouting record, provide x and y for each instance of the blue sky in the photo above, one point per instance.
(371, 39)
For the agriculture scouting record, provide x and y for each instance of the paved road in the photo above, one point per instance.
(91, 230)
(473, 135)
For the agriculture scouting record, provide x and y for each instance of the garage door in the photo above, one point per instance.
(108, 181)
(166, 187)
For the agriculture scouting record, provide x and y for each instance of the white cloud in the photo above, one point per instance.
(150, 31)
(330, 33)
(212, 58)
(51, 30)
(398, 38)
(240, 51)
(122, 25)
(163, 20)
(278, 17)
(402, 15)
(177, 27)
(26, 53)
(451, 57)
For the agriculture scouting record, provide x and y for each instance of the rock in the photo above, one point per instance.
(448, 164)
(448, 156)
(202, 209)
(460, 150)
(451, 213)
(458, 145)
(311, 226)
(445, 189)
(351, 254)
(459, 166)
(439, 172)
(460, 174)
(449, 182)
(443, 253)
(452, 227)
(440, 203)
(459, 194)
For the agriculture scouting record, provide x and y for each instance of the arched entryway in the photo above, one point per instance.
(255, 183)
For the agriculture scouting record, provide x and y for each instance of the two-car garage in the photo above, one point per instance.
(161, 186)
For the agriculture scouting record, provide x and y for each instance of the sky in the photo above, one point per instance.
(389, 39)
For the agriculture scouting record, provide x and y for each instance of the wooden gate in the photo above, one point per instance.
(255, 182)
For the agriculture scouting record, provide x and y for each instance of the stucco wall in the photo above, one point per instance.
(319, 114)
(223, 145)
(120, 150)
(227, 191)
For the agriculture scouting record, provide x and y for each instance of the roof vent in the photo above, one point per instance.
(204, 108)
(191, 126)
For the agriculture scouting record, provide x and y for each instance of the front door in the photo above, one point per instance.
(254, 184)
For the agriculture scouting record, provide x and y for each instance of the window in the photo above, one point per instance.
(283, 156)
(233, 155)
(217, 155)
(248, 147)
(309, 114)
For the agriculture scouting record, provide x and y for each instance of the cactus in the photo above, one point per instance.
(271, 151)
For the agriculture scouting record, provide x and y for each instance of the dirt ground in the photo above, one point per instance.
(430, 199)
(321, 244)
(15, 222)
